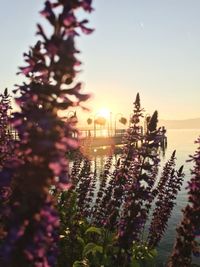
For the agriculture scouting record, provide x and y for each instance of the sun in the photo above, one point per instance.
(104, 112)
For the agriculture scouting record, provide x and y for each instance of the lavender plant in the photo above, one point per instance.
(139, 191)
(98, 211)
(6, 155)
(120, 177)
(187, 240)
(32, 221)
(164, 205)
(6, 138)
(123, 196)
(82, 189)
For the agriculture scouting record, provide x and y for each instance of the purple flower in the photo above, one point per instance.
(31, 231)
(186, 243)
(168, 187)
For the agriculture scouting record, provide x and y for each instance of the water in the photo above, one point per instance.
(183, 142)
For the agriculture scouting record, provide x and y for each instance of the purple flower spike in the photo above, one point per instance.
(186, 243)
(31, 230)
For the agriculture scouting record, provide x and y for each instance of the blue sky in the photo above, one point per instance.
(146, 46)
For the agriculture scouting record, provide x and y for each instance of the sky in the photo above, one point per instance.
(146, 46)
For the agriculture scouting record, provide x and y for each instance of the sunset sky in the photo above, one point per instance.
(146, 46)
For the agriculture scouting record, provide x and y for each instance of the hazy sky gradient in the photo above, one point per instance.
(146, 46)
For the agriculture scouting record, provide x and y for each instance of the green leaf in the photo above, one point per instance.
(83, 263)
(93, 229)
(153, 253)
(92, 248)
(134, 263)
(78, 264)
(81, 241)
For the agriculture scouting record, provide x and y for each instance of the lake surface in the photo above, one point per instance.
(183, 142)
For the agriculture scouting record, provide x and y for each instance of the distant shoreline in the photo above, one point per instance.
(192, 124)
(191, 129)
